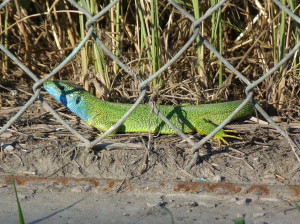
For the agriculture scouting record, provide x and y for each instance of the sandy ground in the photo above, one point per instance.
(75, 206)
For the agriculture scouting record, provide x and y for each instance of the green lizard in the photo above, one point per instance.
(103, 114)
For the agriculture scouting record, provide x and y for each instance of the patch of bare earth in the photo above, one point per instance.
(37, 145)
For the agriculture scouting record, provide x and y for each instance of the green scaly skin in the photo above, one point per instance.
(102, 114)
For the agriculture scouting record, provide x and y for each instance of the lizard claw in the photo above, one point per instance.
(222, 134)
(220, 140)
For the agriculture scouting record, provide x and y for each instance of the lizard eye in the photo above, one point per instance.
(78, 99)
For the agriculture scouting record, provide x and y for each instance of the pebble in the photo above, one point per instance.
(154, 201)
(240, 216)
(206, 204)
(248, 201)
(7, 148)
(152, 204)
(86, 188)
(76, 189)
(174, 205)
(244, 201)
(258, 214)
(233, 200)
(157, 211)
(216, 179)
(191, 204)
(23, 196)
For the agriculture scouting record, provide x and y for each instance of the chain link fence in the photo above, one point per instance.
(195, 28)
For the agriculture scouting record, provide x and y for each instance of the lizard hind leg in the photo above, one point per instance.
(223, 134)
(232, 136)
(109, 136)
(104, 127)
(204, 127)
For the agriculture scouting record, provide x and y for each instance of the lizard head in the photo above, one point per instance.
(73, 96)
(68, 93)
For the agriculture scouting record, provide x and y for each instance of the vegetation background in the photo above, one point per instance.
(252, 35)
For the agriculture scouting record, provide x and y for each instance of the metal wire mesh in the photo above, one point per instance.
(195, 28)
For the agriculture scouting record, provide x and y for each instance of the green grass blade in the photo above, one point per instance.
(143, 30)
(84, 51)
(200, 52)
(155, 47)
(297, 206)
(220, 48)
(21, 217)
(294, 5)
(282, 31)
(242, 221)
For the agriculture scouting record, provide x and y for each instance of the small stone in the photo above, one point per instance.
(180, 218)
(153, 201)
(22, 196)
(13, 92)
(162, 203)
(157, 211)
(7, 148)
(216, 179)
(87, 188)
(191, 203)
(76, 189)
(240, 216)
(152, 204)
(174, 205)
(233, 200)
(126, 214)
(206, 204)
(248, 201)
(244, 202)
(258, 214)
